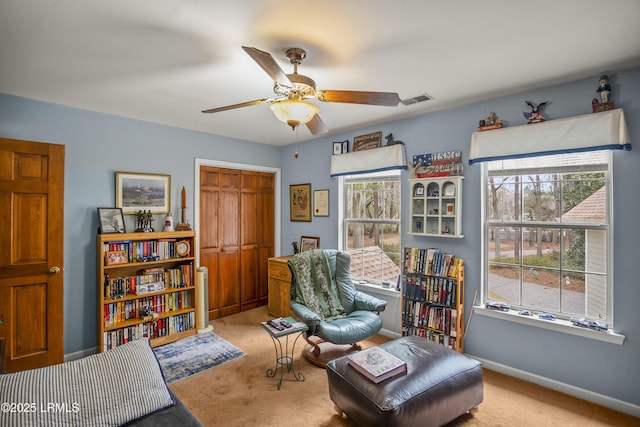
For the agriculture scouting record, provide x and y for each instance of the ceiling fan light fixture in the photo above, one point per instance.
(294, 112)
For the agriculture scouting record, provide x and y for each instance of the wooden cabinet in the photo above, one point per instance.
(436, 206)
(433, 296)
(146, 288)
(236, 237)
(279, 287)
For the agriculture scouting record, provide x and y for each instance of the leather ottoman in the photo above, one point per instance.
(439, 386)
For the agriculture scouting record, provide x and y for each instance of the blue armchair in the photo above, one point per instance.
(324, 297)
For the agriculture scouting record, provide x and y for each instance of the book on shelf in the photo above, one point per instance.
(377, 364)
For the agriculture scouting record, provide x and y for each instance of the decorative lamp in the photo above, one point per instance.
(294, 111)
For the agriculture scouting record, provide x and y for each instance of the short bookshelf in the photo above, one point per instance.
(146, 287)
(433, 296)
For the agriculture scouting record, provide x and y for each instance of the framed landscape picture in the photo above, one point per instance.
(143, 192)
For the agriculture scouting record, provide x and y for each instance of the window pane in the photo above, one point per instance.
(504, 245)
(541, 289)
(541, 198)
(584, 198)
(504, 284)
(540, 247)
(504, 194)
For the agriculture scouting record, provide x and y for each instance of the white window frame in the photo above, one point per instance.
(341, 216)
(561, 325)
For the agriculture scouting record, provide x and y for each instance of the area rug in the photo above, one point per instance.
(194, 354)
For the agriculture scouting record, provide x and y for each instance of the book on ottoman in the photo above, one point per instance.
(376, 364)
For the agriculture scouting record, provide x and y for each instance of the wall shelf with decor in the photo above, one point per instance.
(436, 206)
(146, 287)
(433, 296)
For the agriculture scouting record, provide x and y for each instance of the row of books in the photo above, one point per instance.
(437, 290)
(430, 262)
(438, 337)
(159, 328)
(150, 280)
(121, 311)
(422, 315)
(141, 251)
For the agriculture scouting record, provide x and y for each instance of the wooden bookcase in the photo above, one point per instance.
(433, 296)
(137, 270)
(436, 206)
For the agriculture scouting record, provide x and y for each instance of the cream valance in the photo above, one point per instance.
(374, 160)
(599, 131)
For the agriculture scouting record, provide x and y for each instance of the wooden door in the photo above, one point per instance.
(219, 238)
(266, 236)
(257, 241)
(31, 253)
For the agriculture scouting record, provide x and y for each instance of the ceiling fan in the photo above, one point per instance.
(290, 105)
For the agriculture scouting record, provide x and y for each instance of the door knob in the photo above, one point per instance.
(54, 270)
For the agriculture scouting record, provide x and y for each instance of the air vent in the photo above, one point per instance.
(418, 98)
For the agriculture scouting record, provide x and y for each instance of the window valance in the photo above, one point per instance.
(374, 160)
(599, 131)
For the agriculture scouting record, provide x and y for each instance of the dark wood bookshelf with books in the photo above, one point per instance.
(433, 296)
(146, 287)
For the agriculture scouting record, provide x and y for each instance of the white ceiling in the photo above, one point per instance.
(164, 61)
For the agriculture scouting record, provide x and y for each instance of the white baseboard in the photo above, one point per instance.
(600, 399)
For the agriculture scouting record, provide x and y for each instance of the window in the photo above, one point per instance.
(370, 226)
(547, 234)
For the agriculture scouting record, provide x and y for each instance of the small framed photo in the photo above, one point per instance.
(321, 203)
(137, 192)
(341, 147)
(111, 220)
(115, 257)
(451, 209)
(308, 243)
(418, 191)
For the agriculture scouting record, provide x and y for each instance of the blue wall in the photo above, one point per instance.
(97, 145)
(608, 369)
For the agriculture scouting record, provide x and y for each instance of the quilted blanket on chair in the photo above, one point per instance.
(313, 284)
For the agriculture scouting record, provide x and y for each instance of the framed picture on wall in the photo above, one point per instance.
(321, 203)
(143, 192)
(300, 202)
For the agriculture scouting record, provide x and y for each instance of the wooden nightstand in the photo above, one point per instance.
(279, 287)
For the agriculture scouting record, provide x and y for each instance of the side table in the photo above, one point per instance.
(284, 355)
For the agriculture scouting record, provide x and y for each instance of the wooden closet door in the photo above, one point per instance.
(219, 238)
(257, 241)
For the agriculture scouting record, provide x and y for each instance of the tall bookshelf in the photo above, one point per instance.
(433, 296)
(146, 287)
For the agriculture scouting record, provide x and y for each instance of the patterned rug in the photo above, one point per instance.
(194, 354)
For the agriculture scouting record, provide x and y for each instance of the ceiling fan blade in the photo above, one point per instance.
(388, 99)
(316, 126)
(268, 64)
(234, 106)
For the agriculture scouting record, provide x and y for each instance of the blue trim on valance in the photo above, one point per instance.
(623, 147)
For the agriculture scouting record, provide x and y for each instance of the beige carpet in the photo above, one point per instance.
(239, 393)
